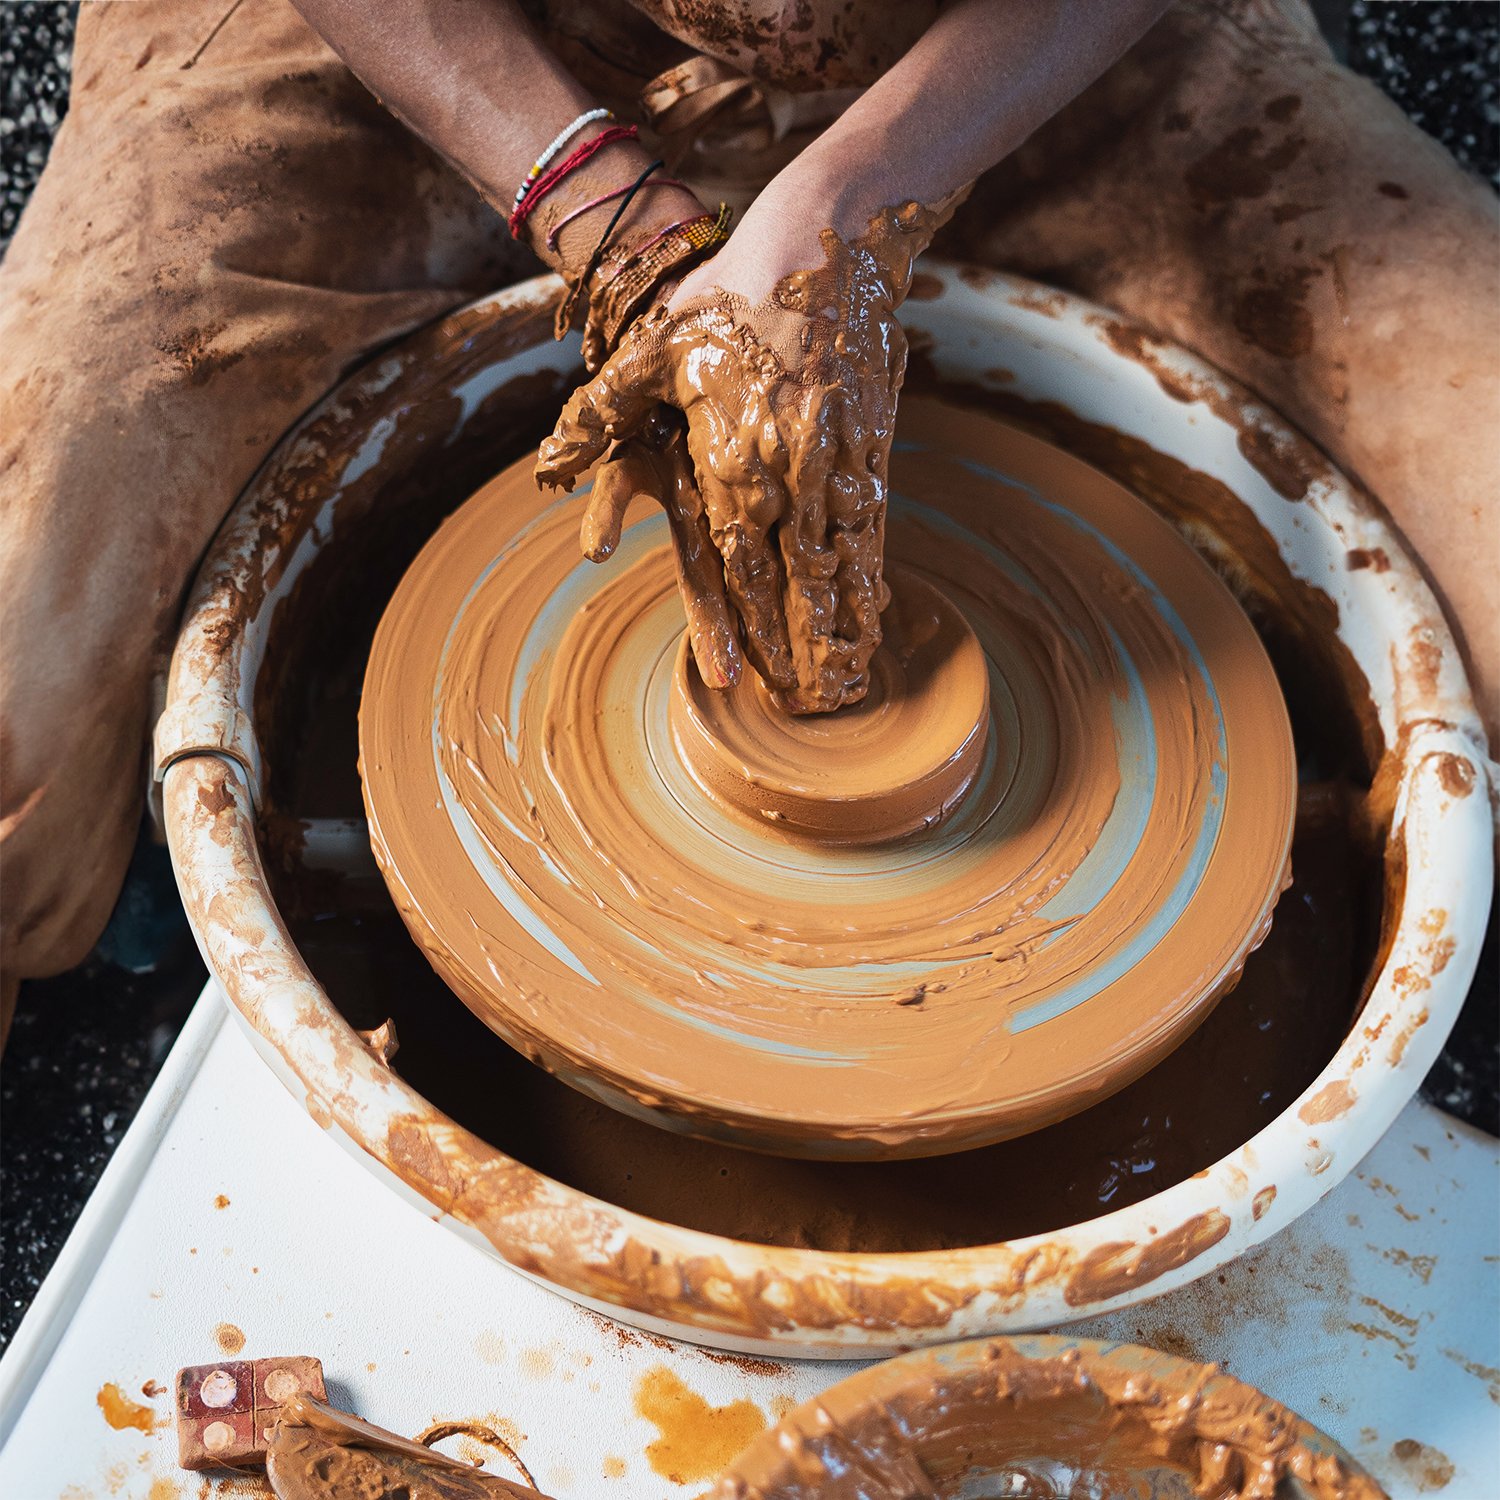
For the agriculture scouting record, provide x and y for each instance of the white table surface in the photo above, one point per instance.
(1376, 1315)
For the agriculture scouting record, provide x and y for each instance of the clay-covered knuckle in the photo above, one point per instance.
(743, 500)
(815, 651)
(806, 552)
(857, 521)
(860, 597)
(754, 584)
(713, 444)
(857, 483)
(810, 473)
(742, 548)
(578, 439)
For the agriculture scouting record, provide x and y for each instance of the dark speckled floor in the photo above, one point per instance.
(86, 1045)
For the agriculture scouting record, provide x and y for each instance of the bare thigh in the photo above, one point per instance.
(227, 222)
(1233, 187)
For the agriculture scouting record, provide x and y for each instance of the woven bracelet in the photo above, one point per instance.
(544, 185)
(675, 250)
(570, 302)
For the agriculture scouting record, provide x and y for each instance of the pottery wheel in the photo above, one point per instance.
(676, 922)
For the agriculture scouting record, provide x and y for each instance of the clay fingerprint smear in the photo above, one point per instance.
(1119, 852)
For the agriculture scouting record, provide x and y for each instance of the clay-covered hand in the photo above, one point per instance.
(778, 503)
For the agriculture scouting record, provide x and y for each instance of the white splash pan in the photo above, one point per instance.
(973, 327)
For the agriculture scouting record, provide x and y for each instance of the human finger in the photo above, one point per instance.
(700, 569)
(857, 537)
(743, 499)
(609, 407)
(627, 474)
(810, 562)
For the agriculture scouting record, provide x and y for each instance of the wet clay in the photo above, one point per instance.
(695, 1440)
(319, 1453)
(790, 409)
(1119, 854)
(1042, 1418)
(1254, 1055)
(897, 761)
(121, 1412)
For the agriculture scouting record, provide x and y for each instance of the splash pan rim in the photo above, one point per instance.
(807, 1303)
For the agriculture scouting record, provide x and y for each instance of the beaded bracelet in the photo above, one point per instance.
(558, 142)
(544, 185)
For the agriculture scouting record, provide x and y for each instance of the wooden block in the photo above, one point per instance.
(226, 1412)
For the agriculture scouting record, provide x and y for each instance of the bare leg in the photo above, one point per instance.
(1228, 184)
(227, 222)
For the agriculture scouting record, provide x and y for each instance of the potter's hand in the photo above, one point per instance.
(788, 385)
(653, 464)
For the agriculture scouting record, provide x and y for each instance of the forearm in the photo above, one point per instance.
(981, 79)
(476, 83)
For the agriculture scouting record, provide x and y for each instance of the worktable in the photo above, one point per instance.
(1376, 1315)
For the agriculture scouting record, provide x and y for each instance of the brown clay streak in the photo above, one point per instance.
(1332, 1102)
(566, 1238)
(1115, 1269)
(1217, 522)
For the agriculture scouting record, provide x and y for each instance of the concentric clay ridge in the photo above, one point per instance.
(586, 842)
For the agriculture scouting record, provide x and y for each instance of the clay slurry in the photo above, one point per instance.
(1042, 1416)
(1119, 853)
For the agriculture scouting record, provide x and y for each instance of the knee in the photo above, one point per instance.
(81, 612)
(68, 818)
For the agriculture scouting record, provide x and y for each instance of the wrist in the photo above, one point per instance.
(821, 189)
(630, 280)
(564, 230)
(827, 187)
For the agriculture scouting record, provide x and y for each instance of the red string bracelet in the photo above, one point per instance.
(619, 192)
(544, 184)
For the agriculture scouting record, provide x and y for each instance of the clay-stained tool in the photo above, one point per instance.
(320, 1453)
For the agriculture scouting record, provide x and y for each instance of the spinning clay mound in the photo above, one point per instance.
(1104, 848)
